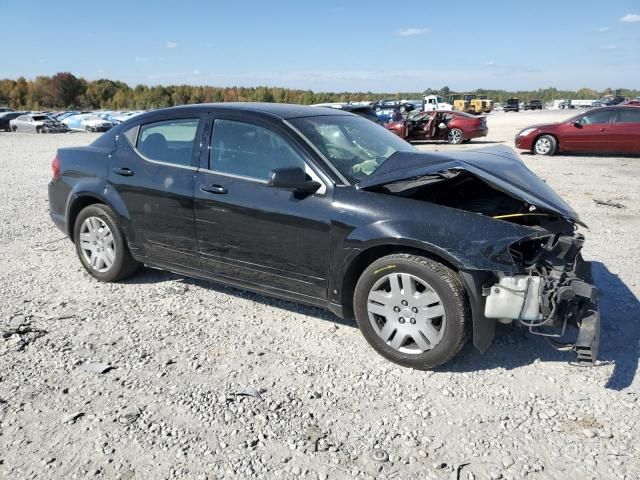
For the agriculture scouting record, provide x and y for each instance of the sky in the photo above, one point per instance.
(328, 45)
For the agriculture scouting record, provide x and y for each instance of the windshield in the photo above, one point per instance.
(354, 145)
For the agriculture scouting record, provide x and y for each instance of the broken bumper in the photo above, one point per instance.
(551, 306)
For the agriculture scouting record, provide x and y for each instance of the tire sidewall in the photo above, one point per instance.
(441, 352)
(105, 214)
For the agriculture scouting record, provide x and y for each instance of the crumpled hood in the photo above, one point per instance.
(498, 166)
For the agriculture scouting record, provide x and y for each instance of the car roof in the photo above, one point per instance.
(280, 110)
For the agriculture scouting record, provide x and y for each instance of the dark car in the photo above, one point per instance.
(450, 126)
(512, 105)
(6, 117)
(609, 101)
(326, 208)
(363, 110)
(386, 105)
(533, 105)
(600, 130)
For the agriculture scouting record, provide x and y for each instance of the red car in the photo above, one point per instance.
(454, 127)
(613, 129)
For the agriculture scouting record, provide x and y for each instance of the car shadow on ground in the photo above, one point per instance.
(619, 345)
(152, 276)
(513, 346)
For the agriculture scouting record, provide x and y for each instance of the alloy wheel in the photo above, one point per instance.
(406, 313)
(543, 145)
(455, 136)
(97, 244)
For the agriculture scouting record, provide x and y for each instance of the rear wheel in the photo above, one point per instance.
(545, 145)
(14, 129)
(455, 136)
(412, 310)
(101, 245)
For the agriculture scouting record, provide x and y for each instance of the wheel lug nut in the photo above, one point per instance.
(404, 302)
(414, 310)
(413, 321)
(396, 309)
(401, 320)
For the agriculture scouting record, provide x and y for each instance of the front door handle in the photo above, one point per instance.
(124, 171)
(219, 189)
(602, 129)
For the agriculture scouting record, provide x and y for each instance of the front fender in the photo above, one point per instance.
(467, 241)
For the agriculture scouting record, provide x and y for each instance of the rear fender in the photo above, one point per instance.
(102, 192)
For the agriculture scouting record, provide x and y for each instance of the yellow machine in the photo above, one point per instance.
(458, 102)
(487, 105)
(471, 103)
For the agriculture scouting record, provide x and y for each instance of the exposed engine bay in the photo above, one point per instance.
(551, 293)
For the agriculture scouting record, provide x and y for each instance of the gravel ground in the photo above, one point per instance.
(168, 377)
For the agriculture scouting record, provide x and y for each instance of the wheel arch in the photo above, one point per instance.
(364, 258)
(472, 281)
(81, 198)
(542, 134)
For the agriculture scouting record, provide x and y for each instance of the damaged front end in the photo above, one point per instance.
(547, 288)
(551, 295)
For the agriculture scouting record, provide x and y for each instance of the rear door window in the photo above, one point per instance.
(169, 141)
(628, 116)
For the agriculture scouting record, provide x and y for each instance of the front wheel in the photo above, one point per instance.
(101, 245)
(545, 145)
(455, 136)
(412, 310)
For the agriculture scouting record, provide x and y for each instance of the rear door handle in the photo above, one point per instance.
(603, 129)
(124, 171)
(219, 189)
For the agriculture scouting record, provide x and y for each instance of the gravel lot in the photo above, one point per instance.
(206, 381)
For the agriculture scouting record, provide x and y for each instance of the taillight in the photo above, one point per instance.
(55, 166)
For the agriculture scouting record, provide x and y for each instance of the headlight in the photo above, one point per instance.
(526, 132)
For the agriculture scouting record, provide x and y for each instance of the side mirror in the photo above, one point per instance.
(576, 124)
(292, 178)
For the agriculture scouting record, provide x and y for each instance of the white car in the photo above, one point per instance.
(87, 123)
(36, 123)
(436, 102)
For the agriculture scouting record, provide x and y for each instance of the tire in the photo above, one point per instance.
(545, 145)
(122, 263)
(455, 136)
(441, 311)
(87, 129)
(14, 129)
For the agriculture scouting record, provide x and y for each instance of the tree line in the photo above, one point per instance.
(66, 91)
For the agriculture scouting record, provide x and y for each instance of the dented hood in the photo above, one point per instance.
(500, 167)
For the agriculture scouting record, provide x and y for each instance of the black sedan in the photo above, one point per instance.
(326, 208)
(5, 119)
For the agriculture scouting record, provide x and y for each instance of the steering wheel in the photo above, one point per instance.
(336, 152)
(366, 166)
